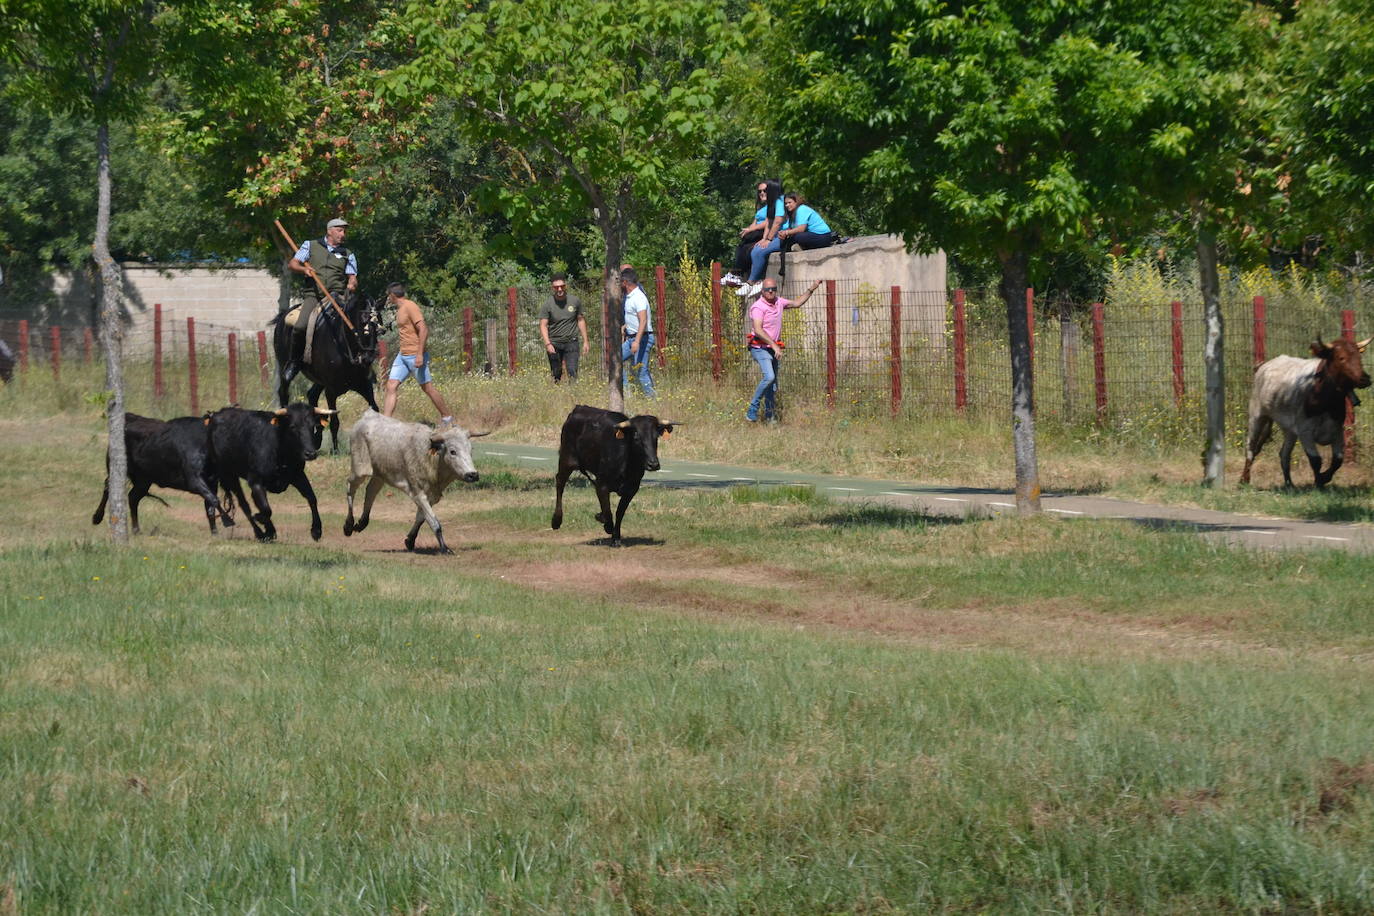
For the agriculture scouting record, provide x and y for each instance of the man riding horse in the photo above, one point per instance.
(338, 355)
(337, 270)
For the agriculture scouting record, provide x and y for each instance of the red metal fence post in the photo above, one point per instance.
(960, 353)
(831, 333)
(661, 314)
(88, 345)
(191, 364)
(716, 353)
(1030, 323)
(233, 368)
(1260, 329)
(468, 317)
(262, 357)
(1100, 362)
(1348, 332)
(896, 349)
(511, 301)
(23, 344)
(1177, 309)
(158, 390)
(55, 336)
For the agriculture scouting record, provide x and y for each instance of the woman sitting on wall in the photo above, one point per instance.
(803, 228)
(757, 240)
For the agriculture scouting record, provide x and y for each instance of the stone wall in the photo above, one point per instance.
(221, 299)
(866, 268)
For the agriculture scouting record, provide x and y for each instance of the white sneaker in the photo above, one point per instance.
(732, 279)
(749, 289)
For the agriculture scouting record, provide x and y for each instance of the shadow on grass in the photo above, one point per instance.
(293, 560)
(511, 482)
(875, 516)
(625, 542)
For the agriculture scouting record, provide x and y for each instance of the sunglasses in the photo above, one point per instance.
(770, 289)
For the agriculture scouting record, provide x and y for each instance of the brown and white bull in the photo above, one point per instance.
(1306, 398)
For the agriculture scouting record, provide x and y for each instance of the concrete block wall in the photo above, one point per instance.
(878, 263)
(221, 299)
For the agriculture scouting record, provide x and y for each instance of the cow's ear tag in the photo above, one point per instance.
(324, 421)
(274, 421)
(620, 434)
(667, 433)
(207, 421)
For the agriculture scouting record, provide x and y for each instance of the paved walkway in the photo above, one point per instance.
(1244, 530)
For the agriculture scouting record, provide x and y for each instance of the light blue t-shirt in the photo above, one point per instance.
(350, 268)
(808, 218)
(778, 210)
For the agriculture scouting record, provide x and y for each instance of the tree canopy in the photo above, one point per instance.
(592, 103)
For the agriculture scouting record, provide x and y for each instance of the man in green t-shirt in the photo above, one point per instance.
(560, 323)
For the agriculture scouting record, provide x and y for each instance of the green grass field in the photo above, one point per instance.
(767, 702)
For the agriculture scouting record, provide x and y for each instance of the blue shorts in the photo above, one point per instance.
(404, 367)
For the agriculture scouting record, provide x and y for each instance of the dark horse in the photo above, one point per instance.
(341, 359)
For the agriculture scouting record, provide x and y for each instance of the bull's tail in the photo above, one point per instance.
(99, 514)
(360, 458)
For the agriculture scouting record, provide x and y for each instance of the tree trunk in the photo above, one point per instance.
(1014, 272)
(1213, 356)
(615, 315)
(112, 339)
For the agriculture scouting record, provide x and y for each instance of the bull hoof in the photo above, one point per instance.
(410, 544)
(315, 532)
(348, 526)
(604, 519)
(556, 523)
(267, 538)
(615, 542)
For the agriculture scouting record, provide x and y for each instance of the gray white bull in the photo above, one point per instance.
(1307, 399)
(416, 459)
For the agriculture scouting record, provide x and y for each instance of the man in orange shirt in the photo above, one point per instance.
(413, 358)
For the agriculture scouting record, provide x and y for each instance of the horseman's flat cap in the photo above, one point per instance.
(336, 222)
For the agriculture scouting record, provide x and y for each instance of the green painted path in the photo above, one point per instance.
(958, 502)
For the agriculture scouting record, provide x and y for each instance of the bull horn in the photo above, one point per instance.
(479, 435)
(280, 411)
(1363, 343)
(325, 411)
(670, 423)
(623, 424)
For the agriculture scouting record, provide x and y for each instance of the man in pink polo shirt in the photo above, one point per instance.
(765, 344)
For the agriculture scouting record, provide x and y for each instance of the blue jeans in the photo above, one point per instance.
(767, 391)
(639, 364)
(759, 258)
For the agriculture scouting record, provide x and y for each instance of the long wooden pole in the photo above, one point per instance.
(314, 276)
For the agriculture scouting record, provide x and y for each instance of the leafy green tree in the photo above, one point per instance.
(92, 58)
(1327, 118)
(592, 102)
(273, 105)
(1015, 128)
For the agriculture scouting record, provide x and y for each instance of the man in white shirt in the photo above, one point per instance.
(638, 344)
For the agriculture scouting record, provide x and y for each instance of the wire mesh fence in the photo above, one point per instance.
(1133, 364)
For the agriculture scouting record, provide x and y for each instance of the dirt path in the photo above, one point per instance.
(696, 582)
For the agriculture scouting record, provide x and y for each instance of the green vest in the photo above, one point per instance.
(331, 266)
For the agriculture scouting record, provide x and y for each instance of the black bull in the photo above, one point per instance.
(341, 360)
(613, 451)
